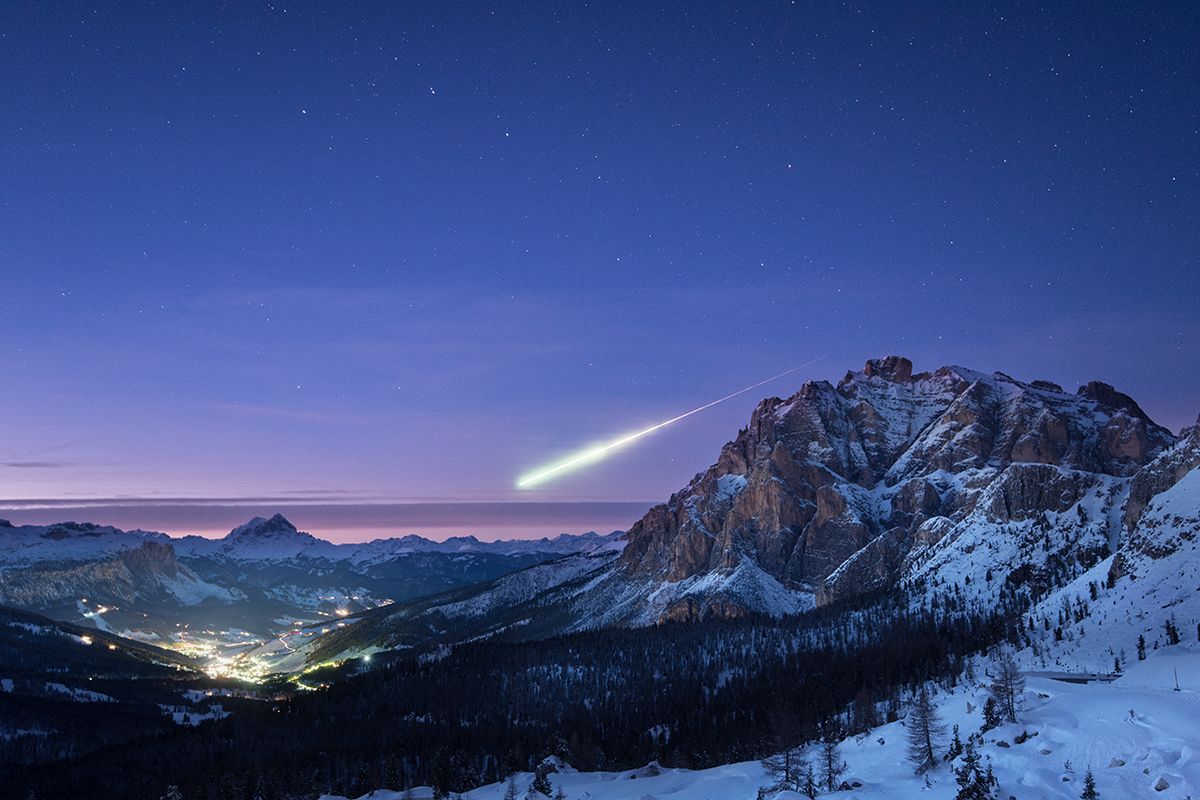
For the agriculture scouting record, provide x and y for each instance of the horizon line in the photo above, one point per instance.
(340, 521)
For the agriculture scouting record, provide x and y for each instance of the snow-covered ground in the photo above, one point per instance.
(191, 715)
(78, 695)
(1132, 733)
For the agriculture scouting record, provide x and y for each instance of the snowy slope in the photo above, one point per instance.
(531, 599)
(1155, 579)
(23, 545)
(110, 568)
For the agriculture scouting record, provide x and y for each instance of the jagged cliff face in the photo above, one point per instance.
(1162, 513)
(147, 572)
(841, 489)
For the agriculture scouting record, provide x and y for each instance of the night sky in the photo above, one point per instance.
(289, 254)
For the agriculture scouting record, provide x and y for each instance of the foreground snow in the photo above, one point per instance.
(1088, 725)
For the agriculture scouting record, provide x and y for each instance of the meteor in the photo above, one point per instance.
(598, 452)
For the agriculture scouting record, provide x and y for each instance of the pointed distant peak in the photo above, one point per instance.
(262, 526)
(469, 539)
(962, 373)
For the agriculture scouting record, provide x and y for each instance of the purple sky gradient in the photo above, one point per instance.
(394, 253)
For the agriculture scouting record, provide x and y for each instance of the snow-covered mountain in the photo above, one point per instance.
(839, 490)
(260, 539)
(23, 545)
(1084, 561)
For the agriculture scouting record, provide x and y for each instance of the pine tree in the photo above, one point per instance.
(786, 769)
(510, 788)
(864, 715)
(924, 729)
(541, 780)
(1008, 687)
(991, 714)
(1172, 630)
(973, 783)
(173, 793)
(1089, 787)
(809, 783)
(561, 749)
(956, 746)
(832, 765)
(1141, 648)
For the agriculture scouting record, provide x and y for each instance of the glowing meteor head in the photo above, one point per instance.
(578, 460)
(591, 455)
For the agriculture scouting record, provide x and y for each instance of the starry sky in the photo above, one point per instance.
(352, 256)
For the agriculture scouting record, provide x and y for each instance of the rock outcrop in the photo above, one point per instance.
(1163, 473)
(147, 571)
(1160, 513)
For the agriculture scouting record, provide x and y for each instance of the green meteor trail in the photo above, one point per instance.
(598, 452)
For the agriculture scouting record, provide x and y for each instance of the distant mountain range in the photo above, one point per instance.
(260, 578)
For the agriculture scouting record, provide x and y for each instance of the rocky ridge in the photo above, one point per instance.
(885, 476)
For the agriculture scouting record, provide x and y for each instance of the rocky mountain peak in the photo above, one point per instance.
(1106, 395)
(897, 369)
(829, 490)
(261, 527)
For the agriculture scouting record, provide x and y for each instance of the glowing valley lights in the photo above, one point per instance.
(601, 451)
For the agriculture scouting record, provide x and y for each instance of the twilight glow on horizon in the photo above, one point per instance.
(338, 260)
